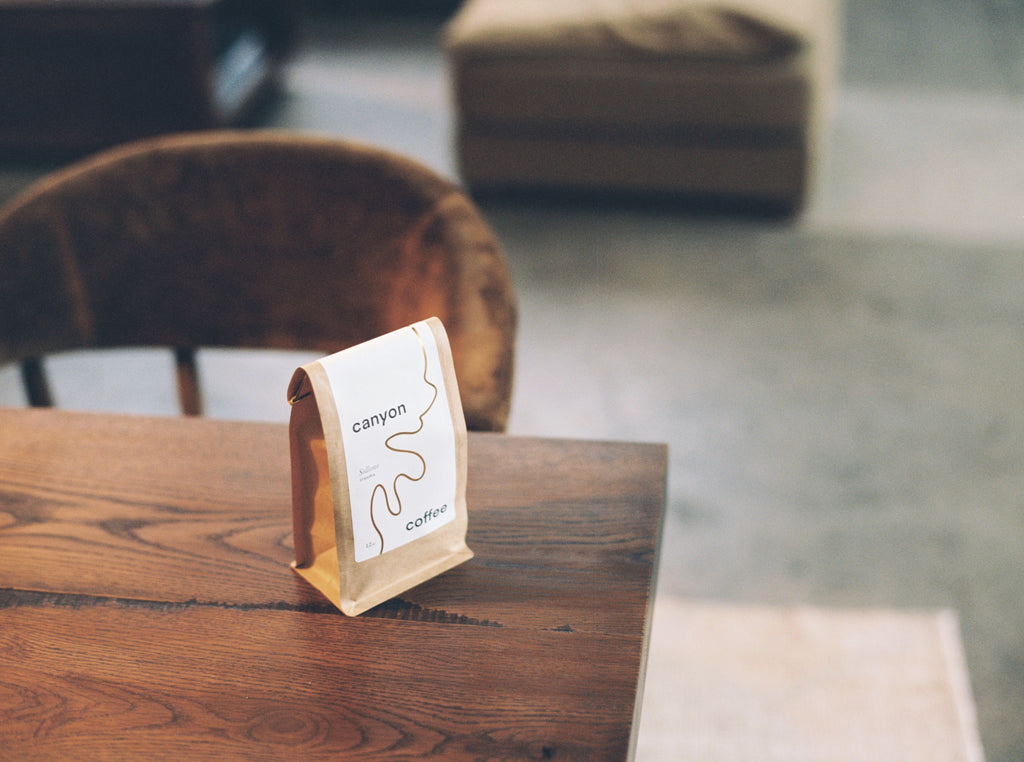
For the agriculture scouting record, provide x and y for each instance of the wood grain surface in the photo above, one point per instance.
(147, 609)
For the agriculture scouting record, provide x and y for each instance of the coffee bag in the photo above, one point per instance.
(378, 455)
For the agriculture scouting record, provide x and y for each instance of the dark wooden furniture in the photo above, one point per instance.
(76, 75)
(147, 609)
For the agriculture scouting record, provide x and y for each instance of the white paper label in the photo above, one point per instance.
(398, 437)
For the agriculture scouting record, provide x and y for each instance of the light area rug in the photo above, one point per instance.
(803, 684)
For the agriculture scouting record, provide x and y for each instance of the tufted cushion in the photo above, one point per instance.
(674, 96)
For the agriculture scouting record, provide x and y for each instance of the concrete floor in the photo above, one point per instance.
(843, 393)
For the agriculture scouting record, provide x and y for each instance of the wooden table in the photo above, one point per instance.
(147, 609)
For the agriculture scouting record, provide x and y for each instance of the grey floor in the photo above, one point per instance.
(842, 393)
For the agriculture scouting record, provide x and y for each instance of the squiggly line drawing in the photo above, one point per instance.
(387, 443)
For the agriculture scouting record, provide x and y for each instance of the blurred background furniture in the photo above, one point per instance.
(253, 239)
(666, 97)
(76, 75)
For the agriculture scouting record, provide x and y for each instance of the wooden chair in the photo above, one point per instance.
(252, 239)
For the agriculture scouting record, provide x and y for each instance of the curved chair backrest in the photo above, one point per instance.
(254, 239)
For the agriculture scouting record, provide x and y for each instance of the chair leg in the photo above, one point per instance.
(188, 380)
(33, 378)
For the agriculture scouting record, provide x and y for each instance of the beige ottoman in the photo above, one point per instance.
(699, 99)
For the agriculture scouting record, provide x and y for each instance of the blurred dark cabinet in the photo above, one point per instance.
(76, 75)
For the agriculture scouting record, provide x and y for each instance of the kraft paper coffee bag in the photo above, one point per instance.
(378, 453)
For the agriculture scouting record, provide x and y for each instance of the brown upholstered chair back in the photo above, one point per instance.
(254, 239)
